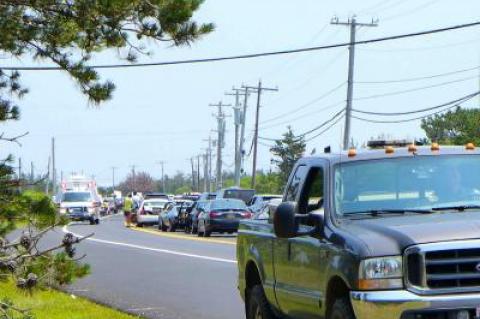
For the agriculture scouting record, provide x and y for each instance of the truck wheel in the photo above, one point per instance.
(341, 309)
(258, 307)
(92, 221)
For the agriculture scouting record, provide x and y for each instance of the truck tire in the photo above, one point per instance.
(258, 307)
(341, 309)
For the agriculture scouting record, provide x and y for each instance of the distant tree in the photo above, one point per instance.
(454, 127)
(140, 182)
(287, 151)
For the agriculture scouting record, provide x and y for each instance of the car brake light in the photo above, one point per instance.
(247, 215)
(214, 214)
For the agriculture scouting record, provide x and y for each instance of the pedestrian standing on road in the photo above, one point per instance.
(127, 210)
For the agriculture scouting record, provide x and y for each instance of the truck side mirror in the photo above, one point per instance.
(285, 223)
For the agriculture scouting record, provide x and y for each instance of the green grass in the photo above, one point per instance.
(53, 304)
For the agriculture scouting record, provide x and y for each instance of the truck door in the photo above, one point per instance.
(297, 262)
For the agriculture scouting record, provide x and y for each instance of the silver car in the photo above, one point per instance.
(149, 210)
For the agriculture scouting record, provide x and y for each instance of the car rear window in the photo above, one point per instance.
(158, 204)
(228, 204)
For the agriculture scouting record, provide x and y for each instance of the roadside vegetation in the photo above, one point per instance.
(53, 304)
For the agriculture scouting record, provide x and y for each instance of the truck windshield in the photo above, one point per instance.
(77, 197)
(422, 182)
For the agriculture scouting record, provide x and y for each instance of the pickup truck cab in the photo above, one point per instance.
(377, 234)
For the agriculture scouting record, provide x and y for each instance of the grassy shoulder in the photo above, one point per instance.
(53, 304)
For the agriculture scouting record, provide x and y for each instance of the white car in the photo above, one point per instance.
(149, 210)
(80, 206)
(259, 201)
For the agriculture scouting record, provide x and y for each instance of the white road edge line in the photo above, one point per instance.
(164, 251)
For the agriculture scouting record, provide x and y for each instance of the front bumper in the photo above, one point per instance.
(223, 224)
(400, 304)
(80, 217)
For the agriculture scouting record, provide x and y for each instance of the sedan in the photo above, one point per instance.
(223, 216)
(149, 210)
(173, 216)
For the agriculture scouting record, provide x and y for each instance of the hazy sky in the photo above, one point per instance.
(163, 113)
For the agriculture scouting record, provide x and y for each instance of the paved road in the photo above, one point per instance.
(159, 276)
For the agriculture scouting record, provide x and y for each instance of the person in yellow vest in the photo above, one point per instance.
(127, 210)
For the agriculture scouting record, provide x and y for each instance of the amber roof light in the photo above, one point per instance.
(470, 146)
(435, 147)
(352, 152)
(389, 150)
(412, 148)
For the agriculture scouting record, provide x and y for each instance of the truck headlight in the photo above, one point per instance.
(63, 211)
(381, 273)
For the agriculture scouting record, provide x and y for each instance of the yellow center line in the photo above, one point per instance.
(184, 237)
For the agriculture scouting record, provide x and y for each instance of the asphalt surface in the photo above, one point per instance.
(171, 276)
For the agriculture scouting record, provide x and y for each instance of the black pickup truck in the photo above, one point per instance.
(378, 234)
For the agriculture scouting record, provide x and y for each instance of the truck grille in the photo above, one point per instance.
(443, 267)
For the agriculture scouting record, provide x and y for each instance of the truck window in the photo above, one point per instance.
(312, 194)
(294, 186)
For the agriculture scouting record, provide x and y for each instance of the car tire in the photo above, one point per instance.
(139, 225)
(92, 221)
(341, 309)
(97, 221)
(258, 306)
(207, 233)
(171, 228)
(199, 233)
(164, 228)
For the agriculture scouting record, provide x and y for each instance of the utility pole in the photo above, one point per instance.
(20, 174)
(353, 24)
(205, 171)
(209, 164)
(54, 172)
(259, 91)
(220, 116)
(113, 178)
(239, 121)
(47, 182)
(162, 163)
(193, 174)
(198, 173)
(134, 178)
(32, 173)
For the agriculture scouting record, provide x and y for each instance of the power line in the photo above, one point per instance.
(376, 96)
(321, 97)
(426, 48)
(303, 116)
(325, 130)
(413, 79)
(323, 124)
(459, 100)
(254, 55)
(410, 11)
(404, 120)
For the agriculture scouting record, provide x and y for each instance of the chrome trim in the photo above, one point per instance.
(422, 249)
(392, 304)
